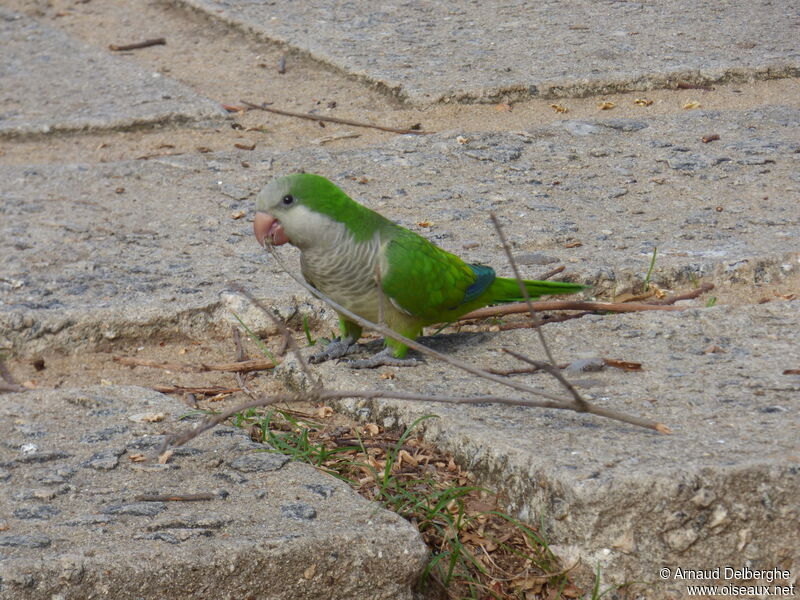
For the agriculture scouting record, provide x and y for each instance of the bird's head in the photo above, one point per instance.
(298, 209)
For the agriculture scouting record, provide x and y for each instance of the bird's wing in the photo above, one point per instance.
(426, 281)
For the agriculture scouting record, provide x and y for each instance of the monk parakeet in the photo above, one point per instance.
(344, 246)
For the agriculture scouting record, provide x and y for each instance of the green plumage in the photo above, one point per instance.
(424, 284)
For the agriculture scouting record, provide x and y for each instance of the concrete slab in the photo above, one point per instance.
(485, 51)
(97, 254)
(74, 528)
(721, 491)
(50, 82)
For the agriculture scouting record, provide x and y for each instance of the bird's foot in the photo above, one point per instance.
(382, 358)
(337, 348)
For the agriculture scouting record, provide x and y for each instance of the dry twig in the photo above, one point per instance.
(528, 304)
(145, 44)
(551, 273)
(540, 305)
(310, 117)
(246, 366)
(203, 391)
(702, 289)
(553, 370)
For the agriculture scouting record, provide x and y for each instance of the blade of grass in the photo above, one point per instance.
(307, 331)
(650, 270)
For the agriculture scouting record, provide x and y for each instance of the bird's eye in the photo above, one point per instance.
(287, 199)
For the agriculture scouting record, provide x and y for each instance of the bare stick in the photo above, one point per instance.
(519, 371)
(259, 364)
(189, 434)
(522, 288)
(178, 439)
(554, 371)
(549, 319)
(203, 391)
(551, 273)
(310, 117)
(241, 355)
(137, 45)
(541, 305)
(705, 287)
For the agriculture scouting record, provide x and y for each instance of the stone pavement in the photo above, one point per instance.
(74, 524)
(112, 262)
(51, 83)
(96, 255)
(428, 52)
(721, 490)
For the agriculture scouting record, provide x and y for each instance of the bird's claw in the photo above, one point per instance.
(335, 349)
(382, 358)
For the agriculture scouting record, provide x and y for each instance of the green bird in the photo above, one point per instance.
(346, 249)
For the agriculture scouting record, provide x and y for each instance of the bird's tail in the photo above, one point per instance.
(505, 289)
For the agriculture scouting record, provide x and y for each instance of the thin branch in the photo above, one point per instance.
(241, 355)
(258, 364)
(553, 371)
(189, 434)
(542, 305)
(178, 439)
(610, 362)
(705, 287)
(137, 45)
(486, 399)
(518, 371)
(546, 319)
(551, 273)
(310, 117)
(522, 288)
(203, 391)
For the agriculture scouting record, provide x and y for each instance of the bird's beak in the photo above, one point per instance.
(266, 226)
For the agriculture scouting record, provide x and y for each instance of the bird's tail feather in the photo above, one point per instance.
(505, 289)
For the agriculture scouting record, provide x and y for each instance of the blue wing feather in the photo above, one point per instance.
(485, 277)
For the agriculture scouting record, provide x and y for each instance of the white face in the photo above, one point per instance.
(302, 226)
